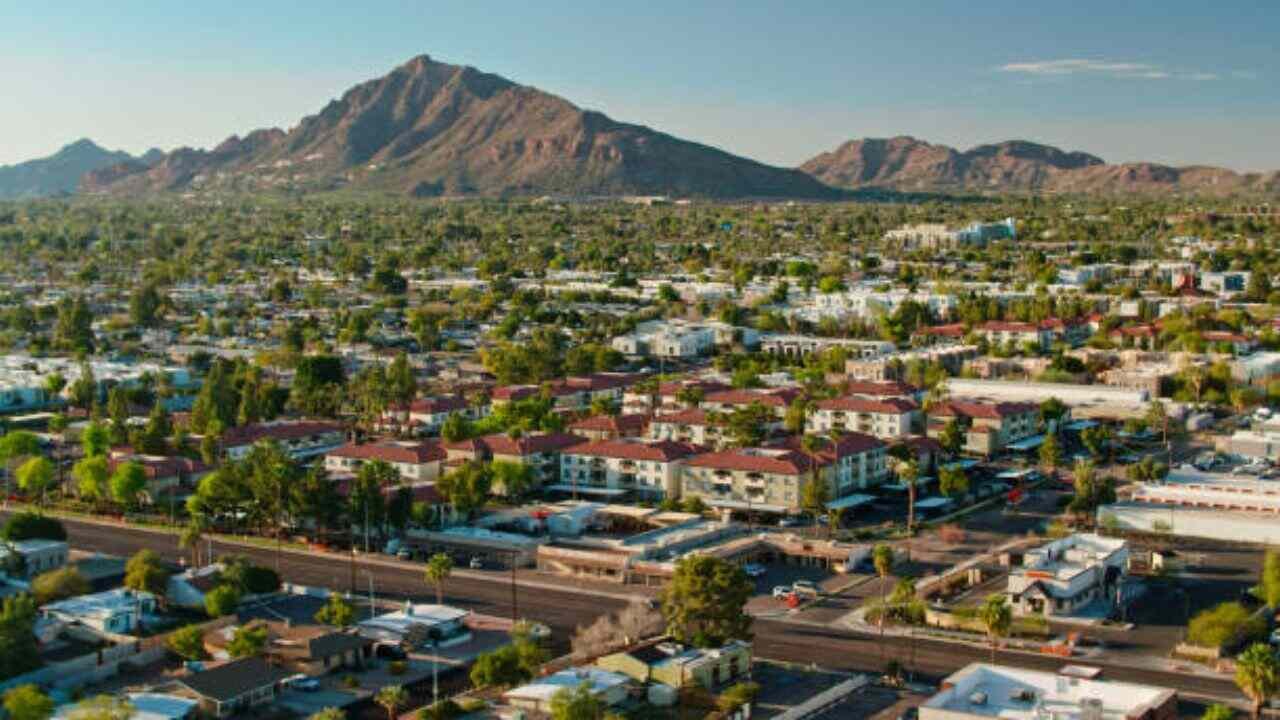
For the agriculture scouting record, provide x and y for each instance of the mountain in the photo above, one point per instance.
(433, 129)
(58, 174)
(907, 164)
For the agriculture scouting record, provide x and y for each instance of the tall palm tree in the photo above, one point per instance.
(439, 568)
(997, 618)
(192, 534)
(1258, 675)
(908, 472)
(882, 558)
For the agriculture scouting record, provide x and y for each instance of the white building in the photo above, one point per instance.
(115, 611)
(1067, 574)
(881, 417)
(38, 556)
(677, 338)
(609, 687)
(995, 691)
(607, 468)
(1084, 400)
(23, 378)
(418, 626)
(801, 345)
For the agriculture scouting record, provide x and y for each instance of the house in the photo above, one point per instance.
(166, 474)
(415, 461)
(301, 439)
(188, 588)
(116, 611)
(33, 557)
(611, 427)
(1065, 575)
(608, 687)
(1019, 334)
(982, 692)
(418, 626)
(426, 415)
(235, 686)
(677, 666)
(988, 427)
(883, 418)
(649, 470)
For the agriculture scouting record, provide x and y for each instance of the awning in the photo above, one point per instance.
(1030, 443)
(589, 490)
(850, 501)
(932, 503)
(1078, 425)
(754, 507)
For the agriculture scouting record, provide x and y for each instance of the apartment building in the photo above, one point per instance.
(989, 426)
(302, 440)
(415, 461)
(611, 468)
(540, 451)
(427, 415)
(695, 426)
(883, 418)
(777, 401)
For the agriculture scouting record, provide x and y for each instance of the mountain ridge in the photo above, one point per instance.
(56, 174)
(433, 129)
(905, 163)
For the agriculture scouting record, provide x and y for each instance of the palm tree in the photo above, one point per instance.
(192, 533)
(908, 473)
(997, 617)
(882, 558)
(392, 697)
(1258, 675)
(439, 567)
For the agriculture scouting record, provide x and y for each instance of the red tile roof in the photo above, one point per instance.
(523, 445)
(851, 403)
(770, 398)
(776, 462)
(611, 423)
(1002, 326)
(882, 389)
(435, 405)
(159, 466)
(404, 453)
(994, 411)
(285, 430)
(692, 416)
(661, 451)
(843, 445)
(953, 330)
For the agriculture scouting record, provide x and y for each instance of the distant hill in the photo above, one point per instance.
(908, 164)
(433, 129)
(58, 174)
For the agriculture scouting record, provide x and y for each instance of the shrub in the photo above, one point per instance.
(396, 667)
(445, 710)
(1224, 624)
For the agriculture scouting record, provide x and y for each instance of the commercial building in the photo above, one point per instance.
(1063, 576)
(1084, 400)
(417, 626)
(981, 691)
(608, 687)
(802, 345)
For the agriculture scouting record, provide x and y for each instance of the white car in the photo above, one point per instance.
(804, 586)
(1275, 637)
(303, 683)
(782, 591)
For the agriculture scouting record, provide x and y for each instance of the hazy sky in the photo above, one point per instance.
(1176, 81)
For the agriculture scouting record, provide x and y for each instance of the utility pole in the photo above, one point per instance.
(515, 606)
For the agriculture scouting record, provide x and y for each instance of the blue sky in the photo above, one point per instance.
(1174, 81)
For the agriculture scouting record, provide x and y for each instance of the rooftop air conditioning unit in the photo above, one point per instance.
(978, 698)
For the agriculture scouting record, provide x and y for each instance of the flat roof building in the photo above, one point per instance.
(995, 691)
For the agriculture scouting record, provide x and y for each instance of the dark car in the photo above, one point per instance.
(390, 652)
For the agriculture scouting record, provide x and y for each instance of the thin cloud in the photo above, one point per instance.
(1101, 68)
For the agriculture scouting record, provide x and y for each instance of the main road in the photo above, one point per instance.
(564, 606)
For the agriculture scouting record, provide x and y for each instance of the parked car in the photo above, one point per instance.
(302, 683)
(388, 651)
(804, 587)
(405, 554)
(790, 522)
(1275, 637)
(754, 570)
(476, 563)
(782, 591)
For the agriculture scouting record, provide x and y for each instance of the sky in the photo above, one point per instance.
(1176, 81)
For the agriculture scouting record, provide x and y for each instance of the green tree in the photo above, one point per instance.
(1218, 711)
(467, 487)
(29, 525)
(952, 481)
(60, 584)
(439, 568)
(908, 474)
(35, 476)
(248, 640)
(19, 651)
(576, 704)
(27, 702)
(952, 437)
(337, 612)
(503, 666)
(17, 445)
(1258, 675)
(145, 572)
(127, 483)
(997, 618)
(392, 698)
(101, 707)
(329, 713)
(704, 604)
(1269, 585)
(1050, 453)
(95, 439)
(1096, 439)
(512, 479)
(188, 643)
(222, 600)
(91, 475)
